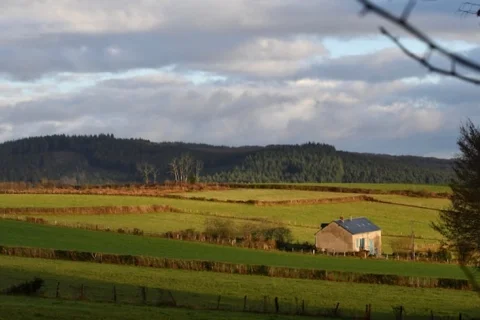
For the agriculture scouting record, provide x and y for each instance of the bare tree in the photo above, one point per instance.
(155, 172)
(198, 169)
(174, 169)
(145, 169)
(471, 69)
(469, 8)
(184, 168)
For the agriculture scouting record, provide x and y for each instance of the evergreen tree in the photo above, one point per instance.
(460, 224)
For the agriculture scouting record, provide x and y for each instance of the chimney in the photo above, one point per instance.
(351, 218)
(341, 218)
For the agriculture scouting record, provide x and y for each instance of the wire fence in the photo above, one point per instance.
(149, 296)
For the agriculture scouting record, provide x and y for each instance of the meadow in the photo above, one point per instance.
(201, 289)
(310, 216)
(15, 233)
(15, 308)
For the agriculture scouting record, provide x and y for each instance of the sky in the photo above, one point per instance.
(233, 72)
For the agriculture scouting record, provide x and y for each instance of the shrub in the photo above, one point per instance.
(219, 228)
(27, 288)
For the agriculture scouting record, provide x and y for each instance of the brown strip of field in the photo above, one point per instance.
(90, 210)
(407, 193)
(160, 189)
(274, 202)
(299, 202)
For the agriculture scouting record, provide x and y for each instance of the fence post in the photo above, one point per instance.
(460, 316)
(277, 306)
(173, 299)
(432, 317)
(218, 302)
(245, 303)
(144, 295)
(114, 294)
(82, 292)
(368, 311)
(303, 306)
(57, 292)
(335, 312)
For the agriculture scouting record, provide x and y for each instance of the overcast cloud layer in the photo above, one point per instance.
(232, 72)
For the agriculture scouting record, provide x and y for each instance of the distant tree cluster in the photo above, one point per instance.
(186, 169)
(106, 159)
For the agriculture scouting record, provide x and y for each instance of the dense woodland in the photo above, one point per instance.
(106, 159)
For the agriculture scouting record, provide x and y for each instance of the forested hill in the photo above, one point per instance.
(106, 159)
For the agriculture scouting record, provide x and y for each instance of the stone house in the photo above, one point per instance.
(349, 235)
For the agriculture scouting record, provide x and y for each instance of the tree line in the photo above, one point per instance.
(103, 158)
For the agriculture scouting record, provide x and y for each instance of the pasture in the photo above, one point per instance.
(201, 289)
(14, 233)
(198, 289)
(393, 219)
(16, 309)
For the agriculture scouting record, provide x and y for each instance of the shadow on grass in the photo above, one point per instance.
(81, 289)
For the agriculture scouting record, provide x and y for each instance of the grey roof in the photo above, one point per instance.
(357, 225)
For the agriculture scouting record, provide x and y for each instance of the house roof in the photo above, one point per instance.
(357, 225)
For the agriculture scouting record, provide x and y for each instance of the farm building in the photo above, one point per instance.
(349, 235)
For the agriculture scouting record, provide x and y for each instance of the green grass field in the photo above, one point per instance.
(303, 220)
(267, 194)
(166, 221)
(13, 233)
(391, 218)
(432, 203)
(203, 288)
(22, 308)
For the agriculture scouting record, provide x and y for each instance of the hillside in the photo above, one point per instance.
(106, 159)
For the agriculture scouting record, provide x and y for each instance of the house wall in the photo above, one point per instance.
(334, 238)
(376, 236)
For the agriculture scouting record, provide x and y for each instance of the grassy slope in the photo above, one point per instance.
(31, 235)
(164, 222)
(423, 202)
(202, 288)
(392, 219)
(14, 308)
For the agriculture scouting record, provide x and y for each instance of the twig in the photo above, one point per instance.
(402, 22)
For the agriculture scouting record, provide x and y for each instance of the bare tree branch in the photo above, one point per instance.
(467, 8)
(402, 21)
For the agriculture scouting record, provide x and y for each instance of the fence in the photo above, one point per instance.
(149, 296)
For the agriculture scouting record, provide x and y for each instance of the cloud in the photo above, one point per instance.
(234, 114)
(231, 72)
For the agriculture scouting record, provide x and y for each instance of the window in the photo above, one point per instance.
(362, 243)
